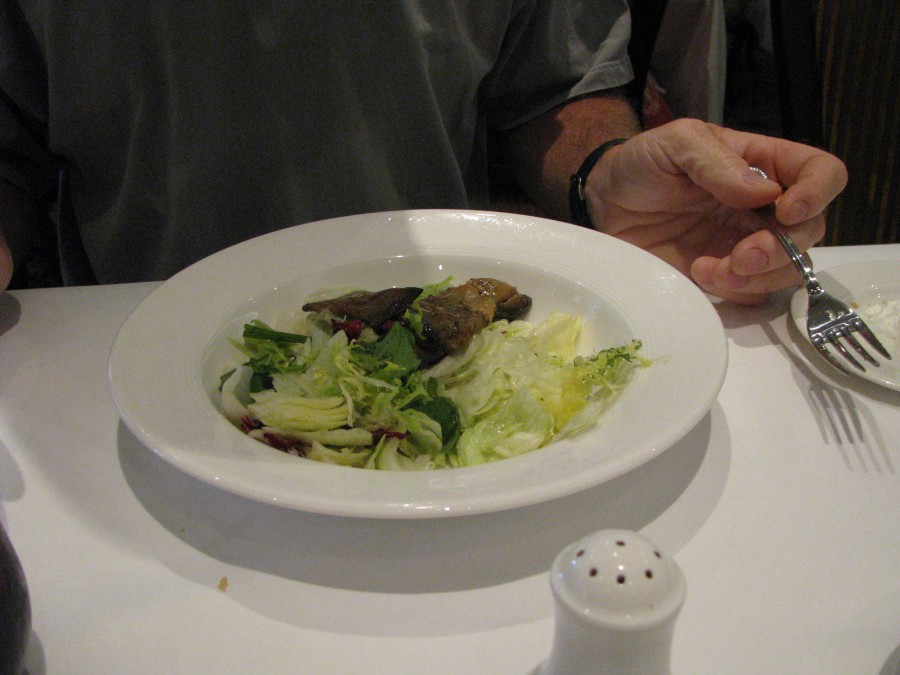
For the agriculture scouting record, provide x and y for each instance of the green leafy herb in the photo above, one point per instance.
(443, 411)
(269, 351)
(392, 357)
(257, 330)
(413, 315)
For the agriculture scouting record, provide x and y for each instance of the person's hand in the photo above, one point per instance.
(6, 264)
(685, 192)
(13, 230)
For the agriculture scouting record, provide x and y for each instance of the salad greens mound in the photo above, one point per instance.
(365, 400)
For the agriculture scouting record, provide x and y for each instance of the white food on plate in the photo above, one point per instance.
(883, 318)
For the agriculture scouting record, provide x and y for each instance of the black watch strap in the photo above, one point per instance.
(577, 199)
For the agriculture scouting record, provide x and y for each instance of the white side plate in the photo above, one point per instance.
(873, 290)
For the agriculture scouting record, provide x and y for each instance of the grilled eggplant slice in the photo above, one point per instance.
(452, 317)
(373, 308)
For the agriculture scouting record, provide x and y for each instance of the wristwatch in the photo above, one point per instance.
(577, 198)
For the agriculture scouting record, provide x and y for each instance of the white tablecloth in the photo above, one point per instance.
(781, 507)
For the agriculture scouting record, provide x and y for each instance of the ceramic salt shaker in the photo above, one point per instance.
(617, 597)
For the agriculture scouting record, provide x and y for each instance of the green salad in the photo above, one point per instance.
(336, 389)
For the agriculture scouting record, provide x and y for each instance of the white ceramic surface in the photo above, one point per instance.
(873, 290)
(167, 357)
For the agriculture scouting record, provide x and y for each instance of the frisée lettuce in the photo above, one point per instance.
(367, 401)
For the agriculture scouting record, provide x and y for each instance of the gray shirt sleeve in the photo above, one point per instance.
(557, 51)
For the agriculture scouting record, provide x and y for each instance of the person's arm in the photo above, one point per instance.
(542, 154)
(14, 230)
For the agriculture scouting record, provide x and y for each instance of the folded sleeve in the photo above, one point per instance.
(555, 51)
(25, 157)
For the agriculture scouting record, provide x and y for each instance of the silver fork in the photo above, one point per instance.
(828, 320)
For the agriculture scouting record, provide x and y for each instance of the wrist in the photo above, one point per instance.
(578, 205)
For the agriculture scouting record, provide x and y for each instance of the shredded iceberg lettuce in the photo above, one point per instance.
(366, 403)
(518, 386)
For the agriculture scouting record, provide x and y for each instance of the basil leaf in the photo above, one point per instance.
(443, 411)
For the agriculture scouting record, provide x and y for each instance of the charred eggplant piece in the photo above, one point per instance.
(452, 317)
(509, 303)
(373, 308)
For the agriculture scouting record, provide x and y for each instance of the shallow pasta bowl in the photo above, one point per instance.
(166, 359)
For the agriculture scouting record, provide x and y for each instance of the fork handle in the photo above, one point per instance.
(809, 278)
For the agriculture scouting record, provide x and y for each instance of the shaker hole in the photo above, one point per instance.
(620, 579)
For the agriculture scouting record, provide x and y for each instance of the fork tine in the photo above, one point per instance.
(823, 350)
(833, 337)
(872, 340)
(853, 342)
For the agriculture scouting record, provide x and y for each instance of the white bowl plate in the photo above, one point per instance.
(166, 360)
(873, 290)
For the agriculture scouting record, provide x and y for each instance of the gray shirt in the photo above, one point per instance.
(181, 128)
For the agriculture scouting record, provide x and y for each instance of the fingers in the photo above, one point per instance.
(717, 276)
(719, 160)
(713, 160)
(813, 178)
(757, 266)
(761, 251)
